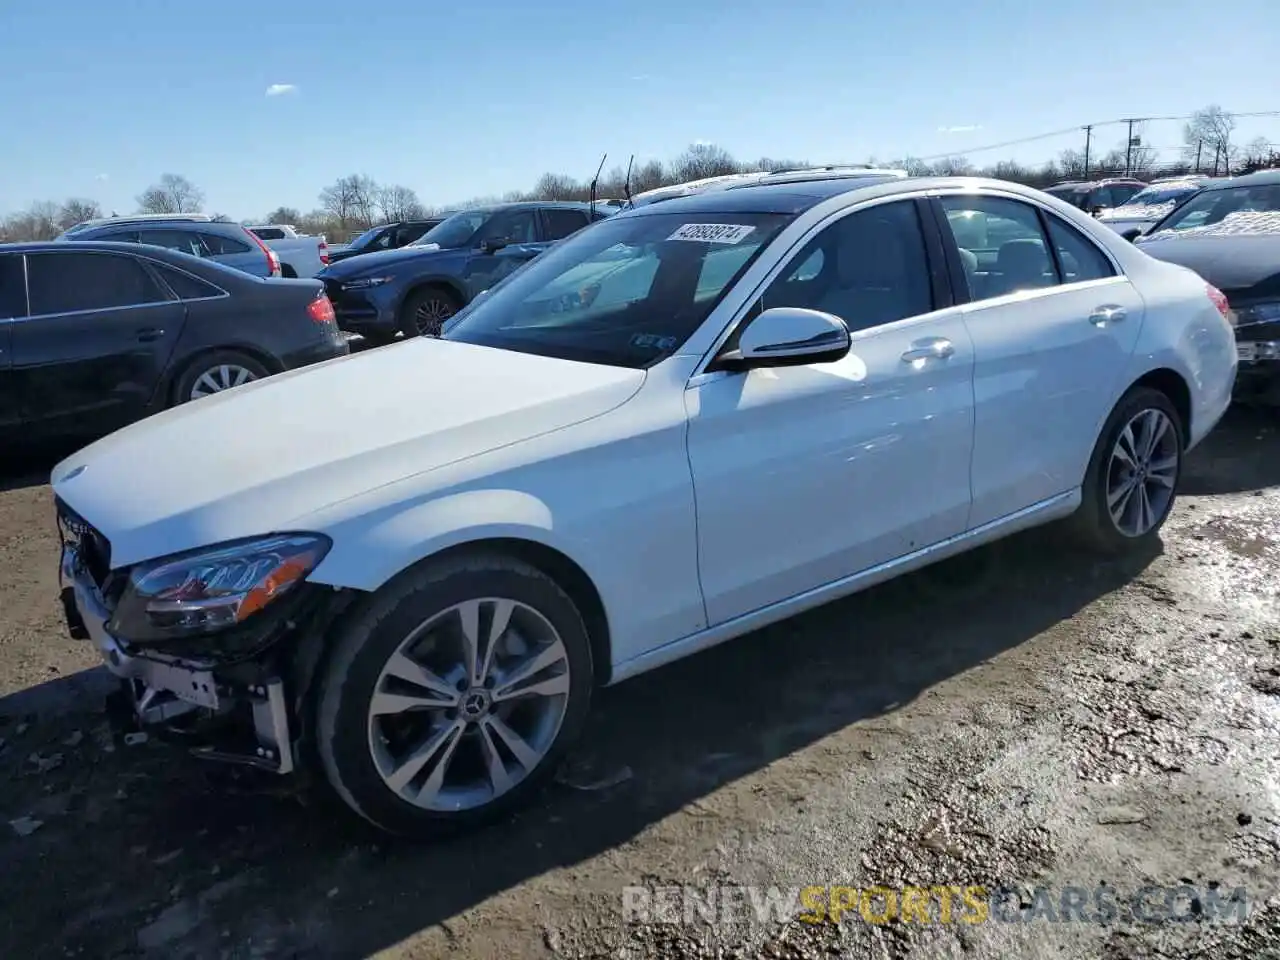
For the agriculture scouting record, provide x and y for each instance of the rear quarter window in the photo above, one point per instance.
(219, 245)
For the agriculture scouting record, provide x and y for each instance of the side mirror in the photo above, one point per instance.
(1095, 210)
(1132, 234)
(493, 245)
(788, 337)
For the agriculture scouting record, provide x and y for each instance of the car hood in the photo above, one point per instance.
(367, 262)
(254, 459)
(1137, 212)
(1229, 259)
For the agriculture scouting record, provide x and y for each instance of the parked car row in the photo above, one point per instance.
(412, 568)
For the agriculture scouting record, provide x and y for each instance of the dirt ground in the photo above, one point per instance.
(1024, 717)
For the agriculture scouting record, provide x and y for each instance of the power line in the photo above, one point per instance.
(1076, 129)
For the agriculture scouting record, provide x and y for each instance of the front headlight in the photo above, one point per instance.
(364, 283)
(207, 590)
(1258, 313)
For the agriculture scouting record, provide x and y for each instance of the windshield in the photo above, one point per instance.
(1250, 209)
(625, 292)
(365, 238)
(456, 231)
(1166, 193)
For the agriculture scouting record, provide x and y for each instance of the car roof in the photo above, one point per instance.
(793, 197)
(1263, 178)
(199, 266)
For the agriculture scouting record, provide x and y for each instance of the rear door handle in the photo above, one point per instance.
(933, 348)
(1108, 313)
(148, 334)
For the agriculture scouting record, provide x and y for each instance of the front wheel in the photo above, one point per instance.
(1133, 475)
(453, 695)
(425, 311)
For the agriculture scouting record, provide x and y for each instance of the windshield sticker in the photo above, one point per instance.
(713, 232)
(653, 341)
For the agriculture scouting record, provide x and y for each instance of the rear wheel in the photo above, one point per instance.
(217, 372)
(425, 311)
(1133, 475)
(452, 696)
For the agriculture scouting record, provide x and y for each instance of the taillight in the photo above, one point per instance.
(321, 310)
(1220, 301)
(324, 251)
(273, 261)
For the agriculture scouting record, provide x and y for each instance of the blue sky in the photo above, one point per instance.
(100, 97)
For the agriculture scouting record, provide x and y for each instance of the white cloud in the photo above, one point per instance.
(640, 77)
(279, 89)
(102, 177)
(961, 128)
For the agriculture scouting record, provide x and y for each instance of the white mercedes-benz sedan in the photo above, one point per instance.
(411, 567)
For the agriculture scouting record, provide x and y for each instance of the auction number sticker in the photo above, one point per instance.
(713, 232)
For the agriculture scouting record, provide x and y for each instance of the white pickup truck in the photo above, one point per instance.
(301, 255)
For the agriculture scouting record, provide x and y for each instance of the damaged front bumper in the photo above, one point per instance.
(242, 709)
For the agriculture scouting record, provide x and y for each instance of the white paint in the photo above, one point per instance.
(701, 505)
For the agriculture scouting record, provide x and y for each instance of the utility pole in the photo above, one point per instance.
(1088, 135)
(1128, 151)
(1199, 147)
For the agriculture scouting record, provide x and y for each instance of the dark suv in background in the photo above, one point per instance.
(1093, 196)
(385, 236)
(413, 290)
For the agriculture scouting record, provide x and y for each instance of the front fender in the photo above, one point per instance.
(371, 549)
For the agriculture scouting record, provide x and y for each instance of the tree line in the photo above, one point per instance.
(353, 203)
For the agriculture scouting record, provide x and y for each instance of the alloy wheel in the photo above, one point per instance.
(430, 316)
(1142, 472)
(219, 378)
(469, 704)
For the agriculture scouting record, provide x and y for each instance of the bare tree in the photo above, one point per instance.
(173, 194)
(78, 210)
(953, 167)
(351, 200)
(703, 160)
(38, 222)
(398, 203)
(557, 186)
(1206, 139)
(290, 215)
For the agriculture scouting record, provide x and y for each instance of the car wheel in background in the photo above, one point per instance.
(451, 697)
(216, 372)
(424, 311)
(1133, 474)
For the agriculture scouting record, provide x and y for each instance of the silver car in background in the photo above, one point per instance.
(195, 233)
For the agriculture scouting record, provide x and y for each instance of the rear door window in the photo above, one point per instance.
(561, 223)
(69, 282)
(1002, 247)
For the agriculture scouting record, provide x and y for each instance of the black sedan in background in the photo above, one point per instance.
(94, 335)
(1229, 233)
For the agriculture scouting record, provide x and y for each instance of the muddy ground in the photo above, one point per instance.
(1024, 717)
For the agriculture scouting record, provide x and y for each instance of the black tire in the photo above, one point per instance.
(213, 362)
(368, 639)
(1092, 525)
(441, 302)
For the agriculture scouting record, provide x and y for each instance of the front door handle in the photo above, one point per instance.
(934, 348)
(1108, 313)
(149, 334)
